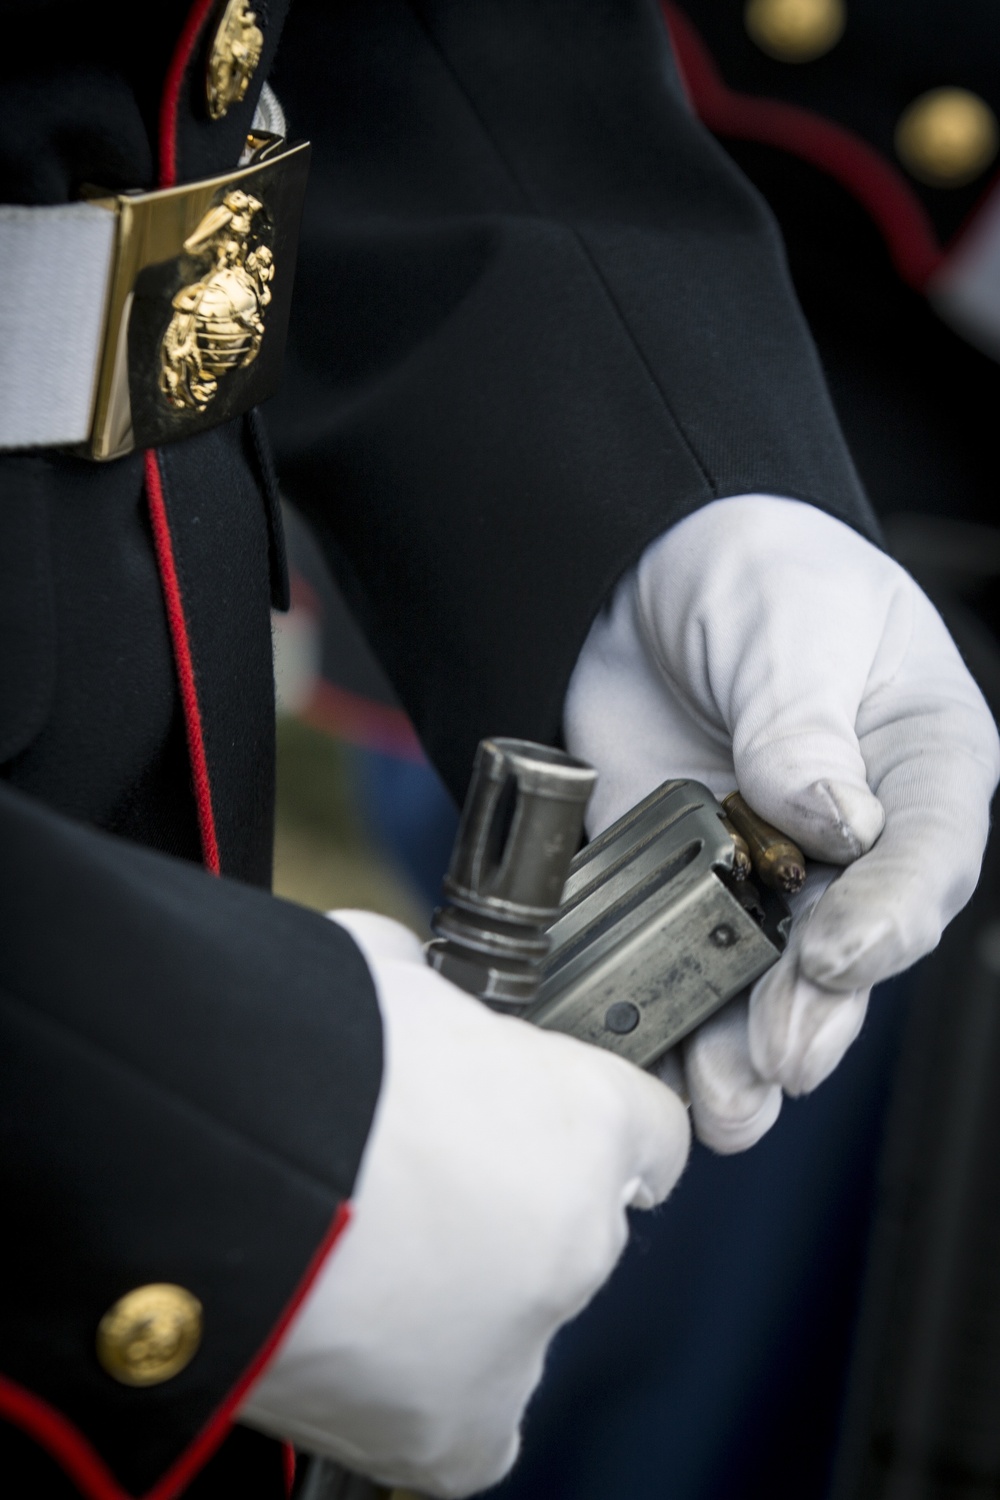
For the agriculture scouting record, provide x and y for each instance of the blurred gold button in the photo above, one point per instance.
(150, 1334)
(232, 58)
(795, 31)
(947, 137)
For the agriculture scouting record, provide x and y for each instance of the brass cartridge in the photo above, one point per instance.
(742, 864)
(777, 861)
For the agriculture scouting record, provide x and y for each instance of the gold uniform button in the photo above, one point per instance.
(795, 31)
(232, 58)
(947, 137)
(150, 1334)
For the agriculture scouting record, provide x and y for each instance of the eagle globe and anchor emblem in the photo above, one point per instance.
(218, 322)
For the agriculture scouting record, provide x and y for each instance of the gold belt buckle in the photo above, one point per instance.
(198, 303)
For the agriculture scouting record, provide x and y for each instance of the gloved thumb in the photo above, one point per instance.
(659, 1135)
(813, 787)
(796, 754)
(747, 608)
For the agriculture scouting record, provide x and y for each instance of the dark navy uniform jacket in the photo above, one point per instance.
(539, 316)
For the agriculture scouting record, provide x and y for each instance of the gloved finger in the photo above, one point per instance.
(657, 1137)
(670, 1070)
(379, 937)
(889, 909)
(932, 751)
(798, 1030)
(731, 1105)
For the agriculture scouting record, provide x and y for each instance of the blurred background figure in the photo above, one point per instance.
(362, 817)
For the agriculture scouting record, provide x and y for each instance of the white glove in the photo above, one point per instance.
(489, 1208)
(761, 644)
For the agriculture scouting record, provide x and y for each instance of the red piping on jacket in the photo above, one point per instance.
(880, 189)
(174, 604)
(84, 1465)
(173, 83)
(179, 63)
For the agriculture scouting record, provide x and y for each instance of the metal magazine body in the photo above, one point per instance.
(655, 933)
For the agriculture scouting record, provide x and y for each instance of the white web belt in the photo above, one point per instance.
(57, 264)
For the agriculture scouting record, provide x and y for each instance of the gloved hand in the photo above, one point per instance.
(764, 645)
(489, 1208)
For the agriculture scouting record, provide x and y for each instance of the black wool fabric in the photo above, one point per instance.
(190, 1109)
(91, 723)
(222, 549)
(539, 317)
